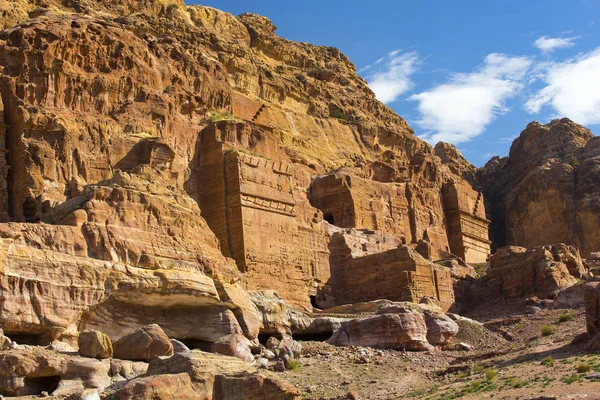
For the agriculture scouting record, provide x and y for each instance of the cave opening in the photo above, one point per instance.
(313, 301)
(31, 339)
(312, 337)
(329, 218)
(43, 384)
(195, 344)
(30, 209)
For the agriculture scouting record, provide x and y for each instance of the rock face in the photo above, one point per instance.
(29, 372)
(591, 297)
(143, 344)
(455, 162)
(94, 344)
(516, 273)
(547, 190)
(159, 160)
(359, 260)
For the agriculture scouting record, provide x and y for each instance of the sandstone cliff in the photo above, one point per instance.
(547, 190)
(159, 156)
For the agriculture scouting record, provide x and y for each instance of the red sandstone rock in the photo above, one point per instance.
(94, 344)
(516, 273)
(405, 330)
(546, 190)
(234, 346)
(143, 344)
(175, 386)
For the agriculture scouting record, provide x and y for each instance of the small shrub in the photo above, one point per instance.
(222, 116)
(481, 269)
(477, 385)
(571, 379)
(339, 114)
(565, 317)
(584, 368)
(478, 368)
(293, 365)
(517, 383)
(574, 162)
(490, 374)
(548, 361)
(171, 7)
(547, 330)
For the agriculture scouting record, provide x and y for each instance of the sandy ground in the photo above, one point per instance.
(511, 360)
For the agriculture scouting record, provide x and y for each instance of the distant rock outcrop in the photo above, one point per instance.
(547, 190)
(517, 273)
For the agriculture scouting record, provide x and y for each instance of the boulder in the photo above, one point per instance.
(401, 330)
(143, 344)
(571, 297)
(94, 344)
(235, 346)
(440, 327)
(179, 347)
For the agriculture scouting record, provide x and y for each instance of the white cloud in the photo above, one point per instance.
(547, 44)
(573, 89)
(459, 110)
(391, 75)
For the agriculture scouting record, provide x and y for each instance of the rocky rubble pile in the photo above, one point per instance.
(145, 365)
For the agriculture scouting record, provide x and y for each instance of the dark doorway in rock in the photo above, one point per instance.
(329, 218)
(312, 337)
(38, 385)
(313, 301)
(194, 344)
(30, 209)
(27, 338)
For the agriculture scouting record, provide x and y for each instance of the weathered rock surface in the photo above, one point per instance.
(455, 162)
(592, 314)
(359, 260)
(220, 377)
(547, 190)
(31, 371)
(398, 326)
(517, 273)
(394, 331)
(94, 344)
(159, 387)
(117, 167)
(143, 344)
(235, 346)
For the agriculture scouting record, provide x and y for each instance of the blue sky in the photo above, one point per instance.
(472, 73)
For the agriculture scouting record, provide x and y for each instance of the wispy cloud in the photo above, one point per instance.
(390, 76)
(508, 139)
(549, 44)
(461, 109)
(572, 90)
